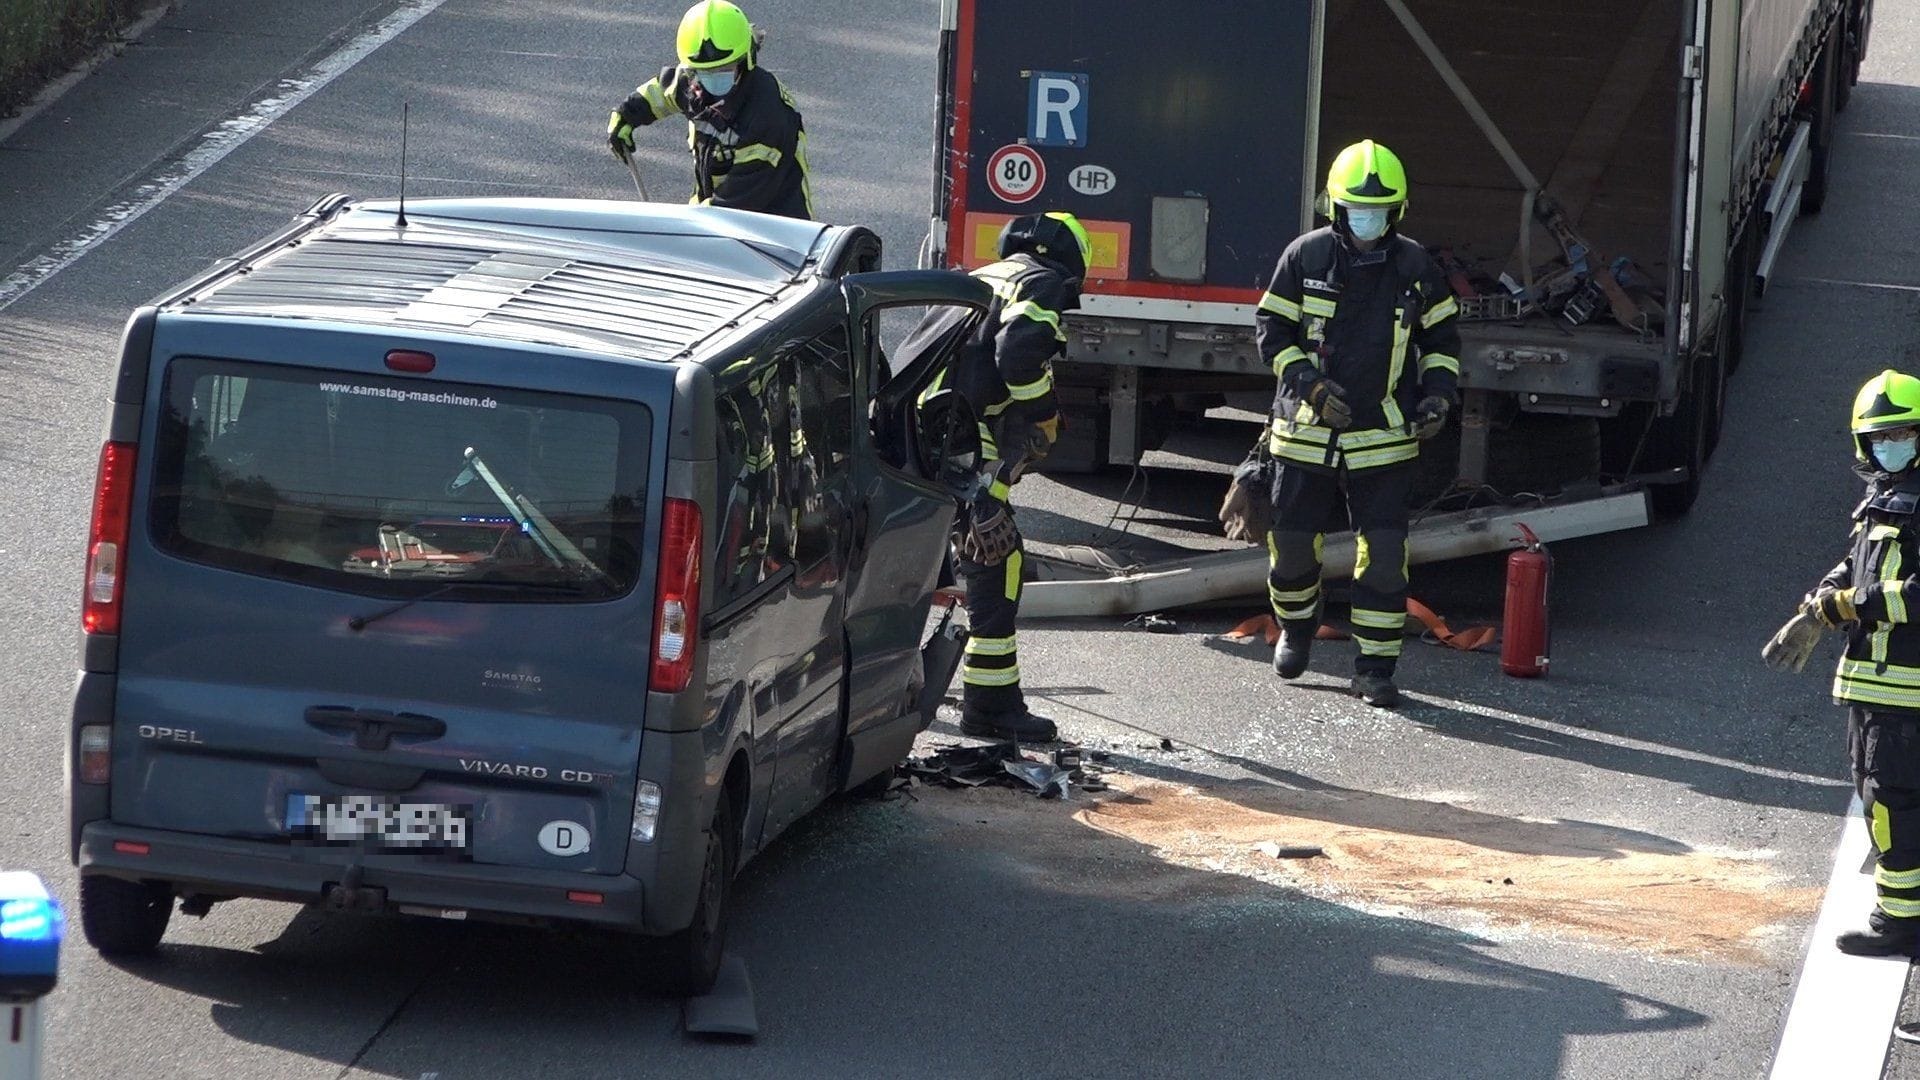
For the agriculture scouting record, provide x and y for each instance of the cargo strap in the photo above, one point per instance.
(1469, 639)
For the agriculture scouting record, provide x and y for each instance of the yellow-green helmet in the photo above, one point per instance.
(1048, 235)
(1367, 174)
(1888, 400)
(1079, 232)
(714, 33)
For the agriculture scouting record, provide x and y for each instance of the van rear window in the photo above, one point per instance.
(399, 487)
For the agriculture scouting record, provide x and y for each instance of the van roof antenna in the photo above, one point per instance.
(402, 222)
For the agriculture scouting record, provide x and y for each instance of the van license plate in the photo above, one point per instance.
(342, 819)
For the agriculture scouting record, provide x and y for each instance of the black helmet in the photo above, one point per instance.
(1057, 237)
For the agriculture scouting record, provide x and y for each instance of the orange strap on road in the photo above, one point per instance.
(1468, 640)
(1264, 626)
(1473, 637)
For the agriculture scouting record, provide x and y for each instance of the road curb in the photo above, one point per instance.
(53, 91)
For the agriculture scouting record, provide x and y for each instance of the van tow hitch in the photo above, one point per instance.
(350, 895)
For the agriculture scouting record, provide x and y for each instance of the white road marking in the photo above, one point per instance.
(1843, 1007)
(1623, 741)
(229, 135)
(1883, 285)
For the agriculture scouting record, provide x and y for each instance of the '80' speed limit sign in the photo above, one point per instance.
(1015, 173)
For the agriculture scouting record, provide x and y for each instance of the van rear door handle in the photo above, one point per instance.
(374, 729)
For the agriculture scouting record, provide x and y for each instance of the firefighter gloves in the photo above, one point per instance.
(1247, 511)
(619, 136)
(1328, 402)
(1834, 608)
(1793, 644)
(1430, 416)
(990, 535)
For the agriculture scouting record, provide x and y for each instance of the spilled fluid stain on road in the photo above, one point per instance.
(1576, 880)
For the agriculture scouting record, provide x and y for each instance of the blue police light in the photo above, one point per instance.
(31, 926)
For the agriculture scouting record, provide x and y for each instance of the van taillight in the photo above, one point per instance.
(676, 630)
(107, 540)
(96, 753)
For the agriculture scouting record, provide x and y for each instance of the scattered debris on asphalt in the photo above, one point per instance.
(1053, 776)
(1155, 624)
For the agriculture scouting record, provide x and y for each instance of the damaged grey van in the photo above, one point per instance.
(534, 560)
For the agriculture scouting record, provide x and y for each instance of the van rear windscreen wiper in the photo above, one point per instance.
(537, 588)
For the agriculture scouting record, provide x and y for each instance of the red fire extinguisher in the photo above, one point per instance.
(1523, 640)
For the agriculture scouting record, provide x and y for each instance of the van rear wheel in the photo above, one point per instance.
(690, 959)
(124, 918)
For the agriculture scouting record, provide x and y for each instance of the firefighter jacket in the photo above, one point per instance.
(1382, 324)
(749, 148)
(1881, 666)
(1005, 367)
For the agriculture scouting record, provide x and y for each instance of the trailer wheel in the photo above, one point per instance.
(1086, 433)
(1826, 73)
(1531, 454)
(1540, 454)
(1680, 441)
(1850, 57)
(1737, 298)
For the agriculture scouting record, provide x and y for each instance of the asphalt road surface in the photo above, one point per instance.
(1609, 873)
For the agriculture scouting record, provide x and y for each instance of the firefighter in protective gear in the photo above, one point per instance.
(1004, 370)
(1362, 332)
(749, 145)
(1865, 597)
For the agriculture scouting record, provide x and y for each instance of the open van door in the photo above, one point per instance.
(902, 511)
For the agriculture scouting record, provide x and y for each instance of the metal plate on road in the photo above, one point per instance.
(380, 821)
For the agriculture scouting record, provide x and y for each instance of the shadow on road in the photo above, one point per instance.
(992, 936)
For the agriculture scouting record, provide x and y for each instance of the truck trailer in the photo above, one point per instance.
(1607, 187)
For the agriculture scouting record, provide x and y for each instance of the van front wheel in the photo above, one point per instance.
(123, 918)
(690, 959)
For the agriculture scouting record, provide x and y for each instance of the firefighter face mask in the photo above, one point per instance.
(1894, 455)
(718, 81)
(1368, 224)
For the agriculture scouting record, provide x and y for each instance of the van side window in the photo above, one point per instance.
(909, 348)
(819, 378)
(752, 538)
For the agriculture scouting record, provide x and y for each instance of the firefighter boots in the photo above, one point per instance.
(1296, 643)
(1021, 725)
(1376, 689)
(1884, 936)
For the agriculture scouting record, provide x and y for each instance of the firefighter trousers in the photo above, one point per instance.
(1885, 747)
(1308, 504)
(990, 670)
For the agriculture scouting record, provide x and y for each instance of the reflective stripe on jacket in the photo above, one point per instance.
(1881, 666)
(748, 154)
(1005, 369)
(1383, 324)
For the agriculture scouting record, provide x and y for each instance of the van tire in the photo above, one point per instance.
(124, 918)
(689, 961)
